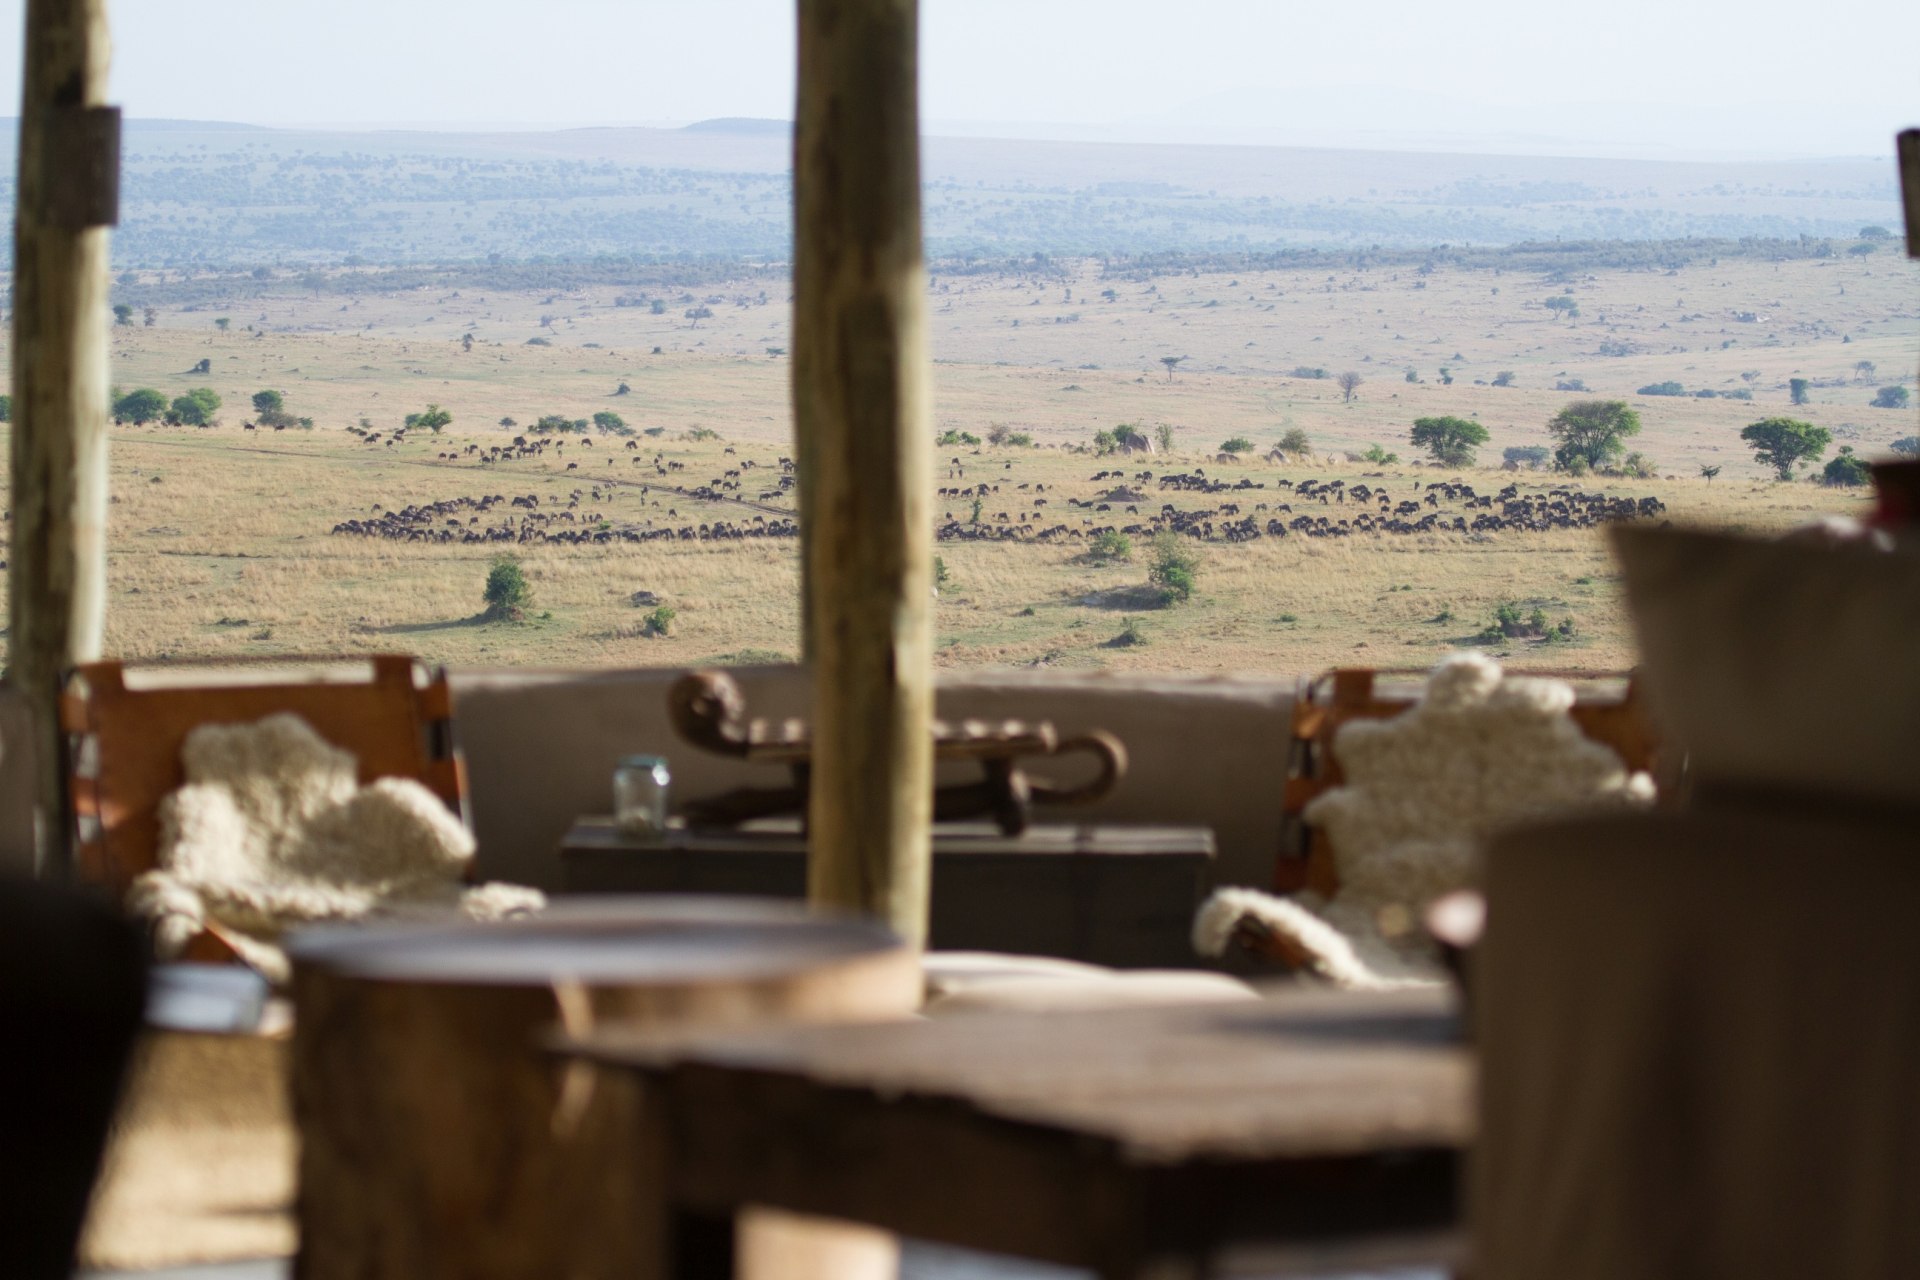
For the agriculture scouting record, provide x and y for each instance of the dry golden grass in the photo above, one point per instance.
(221, 545)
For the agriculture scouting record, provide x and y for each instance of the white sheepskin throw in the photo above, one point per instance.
(272, 830)
(1423, 793)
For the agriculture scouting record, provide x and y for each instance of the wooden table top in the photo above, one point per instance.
(1301, 1075)
(606, 940)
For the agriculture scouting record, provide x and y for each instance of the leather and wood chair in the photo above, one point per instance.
(1348, 694)
(124, 739)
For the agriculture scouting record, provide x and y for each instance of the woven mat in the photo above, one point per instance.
(200, 1167)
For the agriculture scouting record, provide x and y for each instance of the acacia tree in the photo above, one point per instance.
(433, 419)
(1784, 443)
(1170, 362)
(197, 408)
(1450, 440)
(1708, 473)
(140, 406)
(1563, 305)
(265, 402)
(1348, 383)
(1589, 432)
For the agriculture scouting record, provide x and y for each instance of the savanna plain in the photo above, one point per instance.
(663, 533)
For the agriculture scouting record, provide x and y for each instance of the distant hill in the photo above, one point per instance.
(200, 195)
(740, 124)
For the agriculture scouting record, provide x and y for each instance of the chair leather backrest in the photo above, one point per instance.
(124, 746)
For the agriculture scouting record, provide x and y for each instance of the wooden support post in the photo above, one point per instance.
(1907, 145)
(69, 165)
(863, 426)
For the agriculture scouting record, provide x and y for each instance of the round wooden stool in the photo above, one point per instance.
(440, 1142)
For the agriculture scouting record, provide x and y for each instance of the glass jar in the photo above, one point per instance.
(640, 795)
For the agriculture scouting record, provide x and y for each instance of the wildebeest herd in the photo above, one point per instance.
(442, 523)
(1351, 509)
(1238, 510)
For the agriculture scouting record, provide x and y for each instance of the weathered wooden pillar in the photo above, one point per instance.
(863, 425)
(1907, 145)
(68, 190)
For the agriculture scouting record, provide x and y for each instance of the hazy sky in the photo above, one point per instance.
(1643, 76)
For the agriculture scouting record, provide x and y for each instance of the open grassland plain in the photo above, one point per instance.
(355, 534)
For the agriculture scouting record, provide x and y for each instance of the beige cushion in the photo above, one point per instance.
(950, 972)
(961, 982)
(1780, 666)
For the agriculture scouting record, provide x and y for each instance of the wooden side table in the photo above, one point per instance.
(1112, 894)
(1316, 1131)
(439, 1142)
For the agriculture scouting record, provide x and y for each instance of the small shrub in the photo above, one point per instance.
(1309, 371)
(1375, 454)
(1296, 442)
(941, 578)
(507, 595)
(538, 342)
(1288, 618)
(1846, 471)
(1175, 564)
(1504, 378)
(1570, 384)
(955, 438)
(1110, 545)
(1508, 624)
(1890, 398)
(659, 623)
(1531, 456)
(1239, 444)
(1130, 634)
(1662, 389)
(1019, 439)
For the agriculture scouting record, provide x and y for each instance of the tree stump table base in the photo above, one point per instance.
(440, 1142)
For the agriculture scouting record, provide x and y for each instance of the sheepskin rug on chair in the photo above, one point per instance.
(1478, 752)
(273, 830)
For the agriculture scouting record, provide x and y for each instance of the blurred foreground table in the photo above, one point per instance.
(1309, 1132)
(1112, 894)
(439, 1141)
